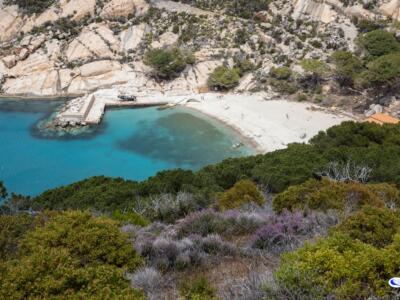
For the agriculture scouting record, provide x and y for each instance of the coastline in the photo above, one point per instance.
(243, 137)
(262, 124)
(267, 125)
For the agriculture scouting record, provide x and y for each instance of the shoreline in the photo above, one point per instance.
(262, 124)
(243, 137)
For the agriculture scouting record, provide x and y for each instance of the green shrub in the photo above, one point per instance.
(379, 42)
(130, 218)
(314, 66)
(347, 65)
(338, 266)
(243, 192)
(12, 229)
(224, 78)
(31, 6)
(281, 73)
(168, 63)
(71, 255)
(200, 289)
(371, 225)
(382, 72)
(283, 86)
(326, 194)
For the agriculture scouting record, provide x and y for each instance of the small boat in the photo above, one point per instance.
(237, 145)
(127, 97)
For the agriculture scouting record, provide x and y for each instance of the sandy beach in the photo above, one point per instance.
(268, 124)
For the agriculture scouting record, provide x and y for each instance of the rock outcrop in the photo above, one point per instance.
(391, 9)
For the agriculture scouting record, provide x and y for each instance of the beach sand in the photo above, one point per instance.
(268, 124)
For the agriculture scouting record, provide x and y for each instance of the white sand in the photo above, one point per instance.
(268, 124)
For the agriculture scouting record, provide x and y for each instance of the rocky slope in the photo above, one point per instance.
(78, 46)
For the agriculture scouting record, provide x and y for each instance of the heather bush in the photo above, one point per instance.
(289, 230)
(149, 280)
(371, 225)
(202, 223)
(243, 192)
(167, 254)
(169, 207)
(250, 287)
(231, 222)
(344, 196)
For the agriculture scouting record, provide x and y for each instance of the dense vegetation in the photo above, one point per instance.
(224, 78)
(239, 8)
(378, 69)
(31, 6)
(327, 211)
(65, 255)
(168, 63)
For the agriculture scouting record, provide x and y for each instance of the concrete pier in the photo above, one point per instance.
(91, 108)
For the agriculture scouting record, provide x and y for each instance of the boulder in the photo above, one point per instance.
(23, 54)
(98, 68)
(164, 40)
(78, 9)
(391, 9)
(9, 61)
(141, 7)
(118, 8)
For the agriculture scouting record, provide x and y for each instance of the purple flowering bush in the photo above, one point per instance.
(230, 222)
(287, 231)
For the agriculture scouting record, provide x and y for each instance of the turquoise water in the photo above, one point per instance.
(130, 143)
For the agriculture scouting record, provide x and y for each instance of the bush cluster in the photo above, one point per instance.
(31, 6)
(168, 63)
(224, 78)
(243, 192)
(70, 255)
(340, 267)
(326, 194)
(287, 231)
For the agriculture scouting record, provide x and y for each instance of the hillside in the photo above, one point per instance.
(313, 221)
(289, 49)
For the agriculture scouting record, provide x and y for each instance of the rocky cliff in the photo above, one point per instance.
(78, 46)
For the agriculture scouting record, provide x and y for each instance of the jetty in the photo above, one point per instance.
(90, 109)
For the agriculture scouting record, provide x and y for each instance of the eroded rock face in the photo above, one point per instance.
(391, 9)
(10, 22)
(36, 83)
(89, 44)
(131, 37)
(317, 11)
(99, 67)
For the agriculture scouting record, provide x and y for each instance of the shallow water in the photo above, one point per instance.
(130, 143)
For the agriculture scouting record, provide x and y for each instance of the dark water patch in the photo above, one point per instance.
(180, 138)
(46, 107)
